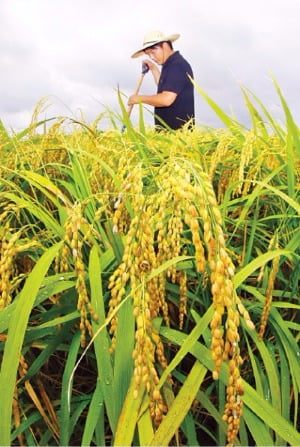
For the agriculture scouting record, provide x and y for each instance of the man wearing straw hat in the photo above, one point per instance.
(174, 101)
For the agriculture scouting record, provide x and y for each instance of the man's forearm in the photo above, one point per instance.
(164, 99)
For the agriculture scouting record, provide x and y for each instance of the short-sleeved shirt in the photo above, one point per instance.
(174, 78)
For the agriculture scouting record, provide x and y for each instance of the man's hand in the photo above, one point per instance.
(152, 66)
(133, 99)
(154, 69)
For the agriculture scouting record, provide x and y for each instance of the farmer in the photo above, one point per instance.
(174, 101)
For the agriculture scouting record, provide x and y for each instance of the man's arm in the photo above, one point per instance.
(163, 99)
(154, 70)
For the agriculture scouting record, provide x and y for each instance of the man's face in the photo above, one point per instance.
(156, 53)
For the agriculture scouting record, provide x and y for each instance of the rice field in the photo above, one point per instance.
(150, 282)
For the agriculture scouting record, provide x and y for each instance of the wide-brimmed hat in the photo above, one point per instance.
(153, 38)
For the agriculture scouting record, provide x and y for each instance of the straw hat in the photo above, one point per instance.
(153, 38)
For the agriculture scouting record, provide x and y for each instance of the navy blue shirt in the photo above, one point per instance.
(174, 78)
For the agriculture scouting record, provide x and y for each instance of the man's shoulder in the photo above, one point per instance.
(177, 58)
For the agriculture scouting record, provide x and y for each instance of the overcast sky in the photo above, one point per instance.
(76, 53)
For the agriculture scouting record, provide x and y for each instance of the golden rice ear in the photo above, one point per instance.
(72, 249)
(269, 296)
(8, 252)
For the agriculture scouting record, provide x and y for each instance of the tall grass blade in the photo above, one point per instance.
(65, 410)
(51, 285)
(272, 387)
(13, 346)
(95, 419)
(61, 335)
(180, 407)
(292, 128)
(258, 428)
(201, 326)
(39, 212)
(257, 121)
(274, 125)
(232, 125)
(129, 416)
(144, 423)
(102, 342)
(123, 361)
(259, 261)
(256, 403)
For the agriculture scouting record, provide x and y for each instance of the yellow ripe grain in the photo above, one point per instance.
(156, 394)
(215, 288)
(215, 321)
(220, 267)
(144, 370)
(217, 333)
(230, 271)
(153, 371)
(140, 321)
(231, 335)
(220, 279)
(135, 394)
(220, 309)
(232, 325)
(213, 277)
(212, 265)
(215, 375)
(217, 351)
(192, 210)
(221, 240)
(250, 324)
(140, 334)
(137, 371)
(227, 300)
(136, 311)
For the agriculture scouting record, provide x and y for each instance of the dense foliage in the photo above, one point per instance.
(150, 283)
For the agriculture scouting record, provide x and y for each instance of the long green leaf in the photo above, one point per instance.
(257, 120)
(129, 416)
(261, 260)
(191, 339)
(276, 127)
(172, 421)
(123, 361)
(51, 286)
(65, 410)
(101, 342)
(256, 403)
(13, 345)
(292, 143)
(273, 387)
(39, 212)
(232, 124)
(95, 418)
(258, 428)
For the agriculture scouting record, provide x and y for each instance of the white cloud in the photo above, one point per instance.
(78, 53)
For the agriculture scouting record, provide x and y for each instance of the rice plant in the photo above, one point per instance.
(150, 283)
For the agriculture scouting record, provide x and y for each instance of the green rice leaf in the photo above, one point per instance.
(102, 342)
(258, 428)
(261, 260)
(95, 418)
(180, 407)
(188, 343)
(129, 416)
(15, 337)
(232, 124)
(256, 403)
(123, 362)
(65, 407)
